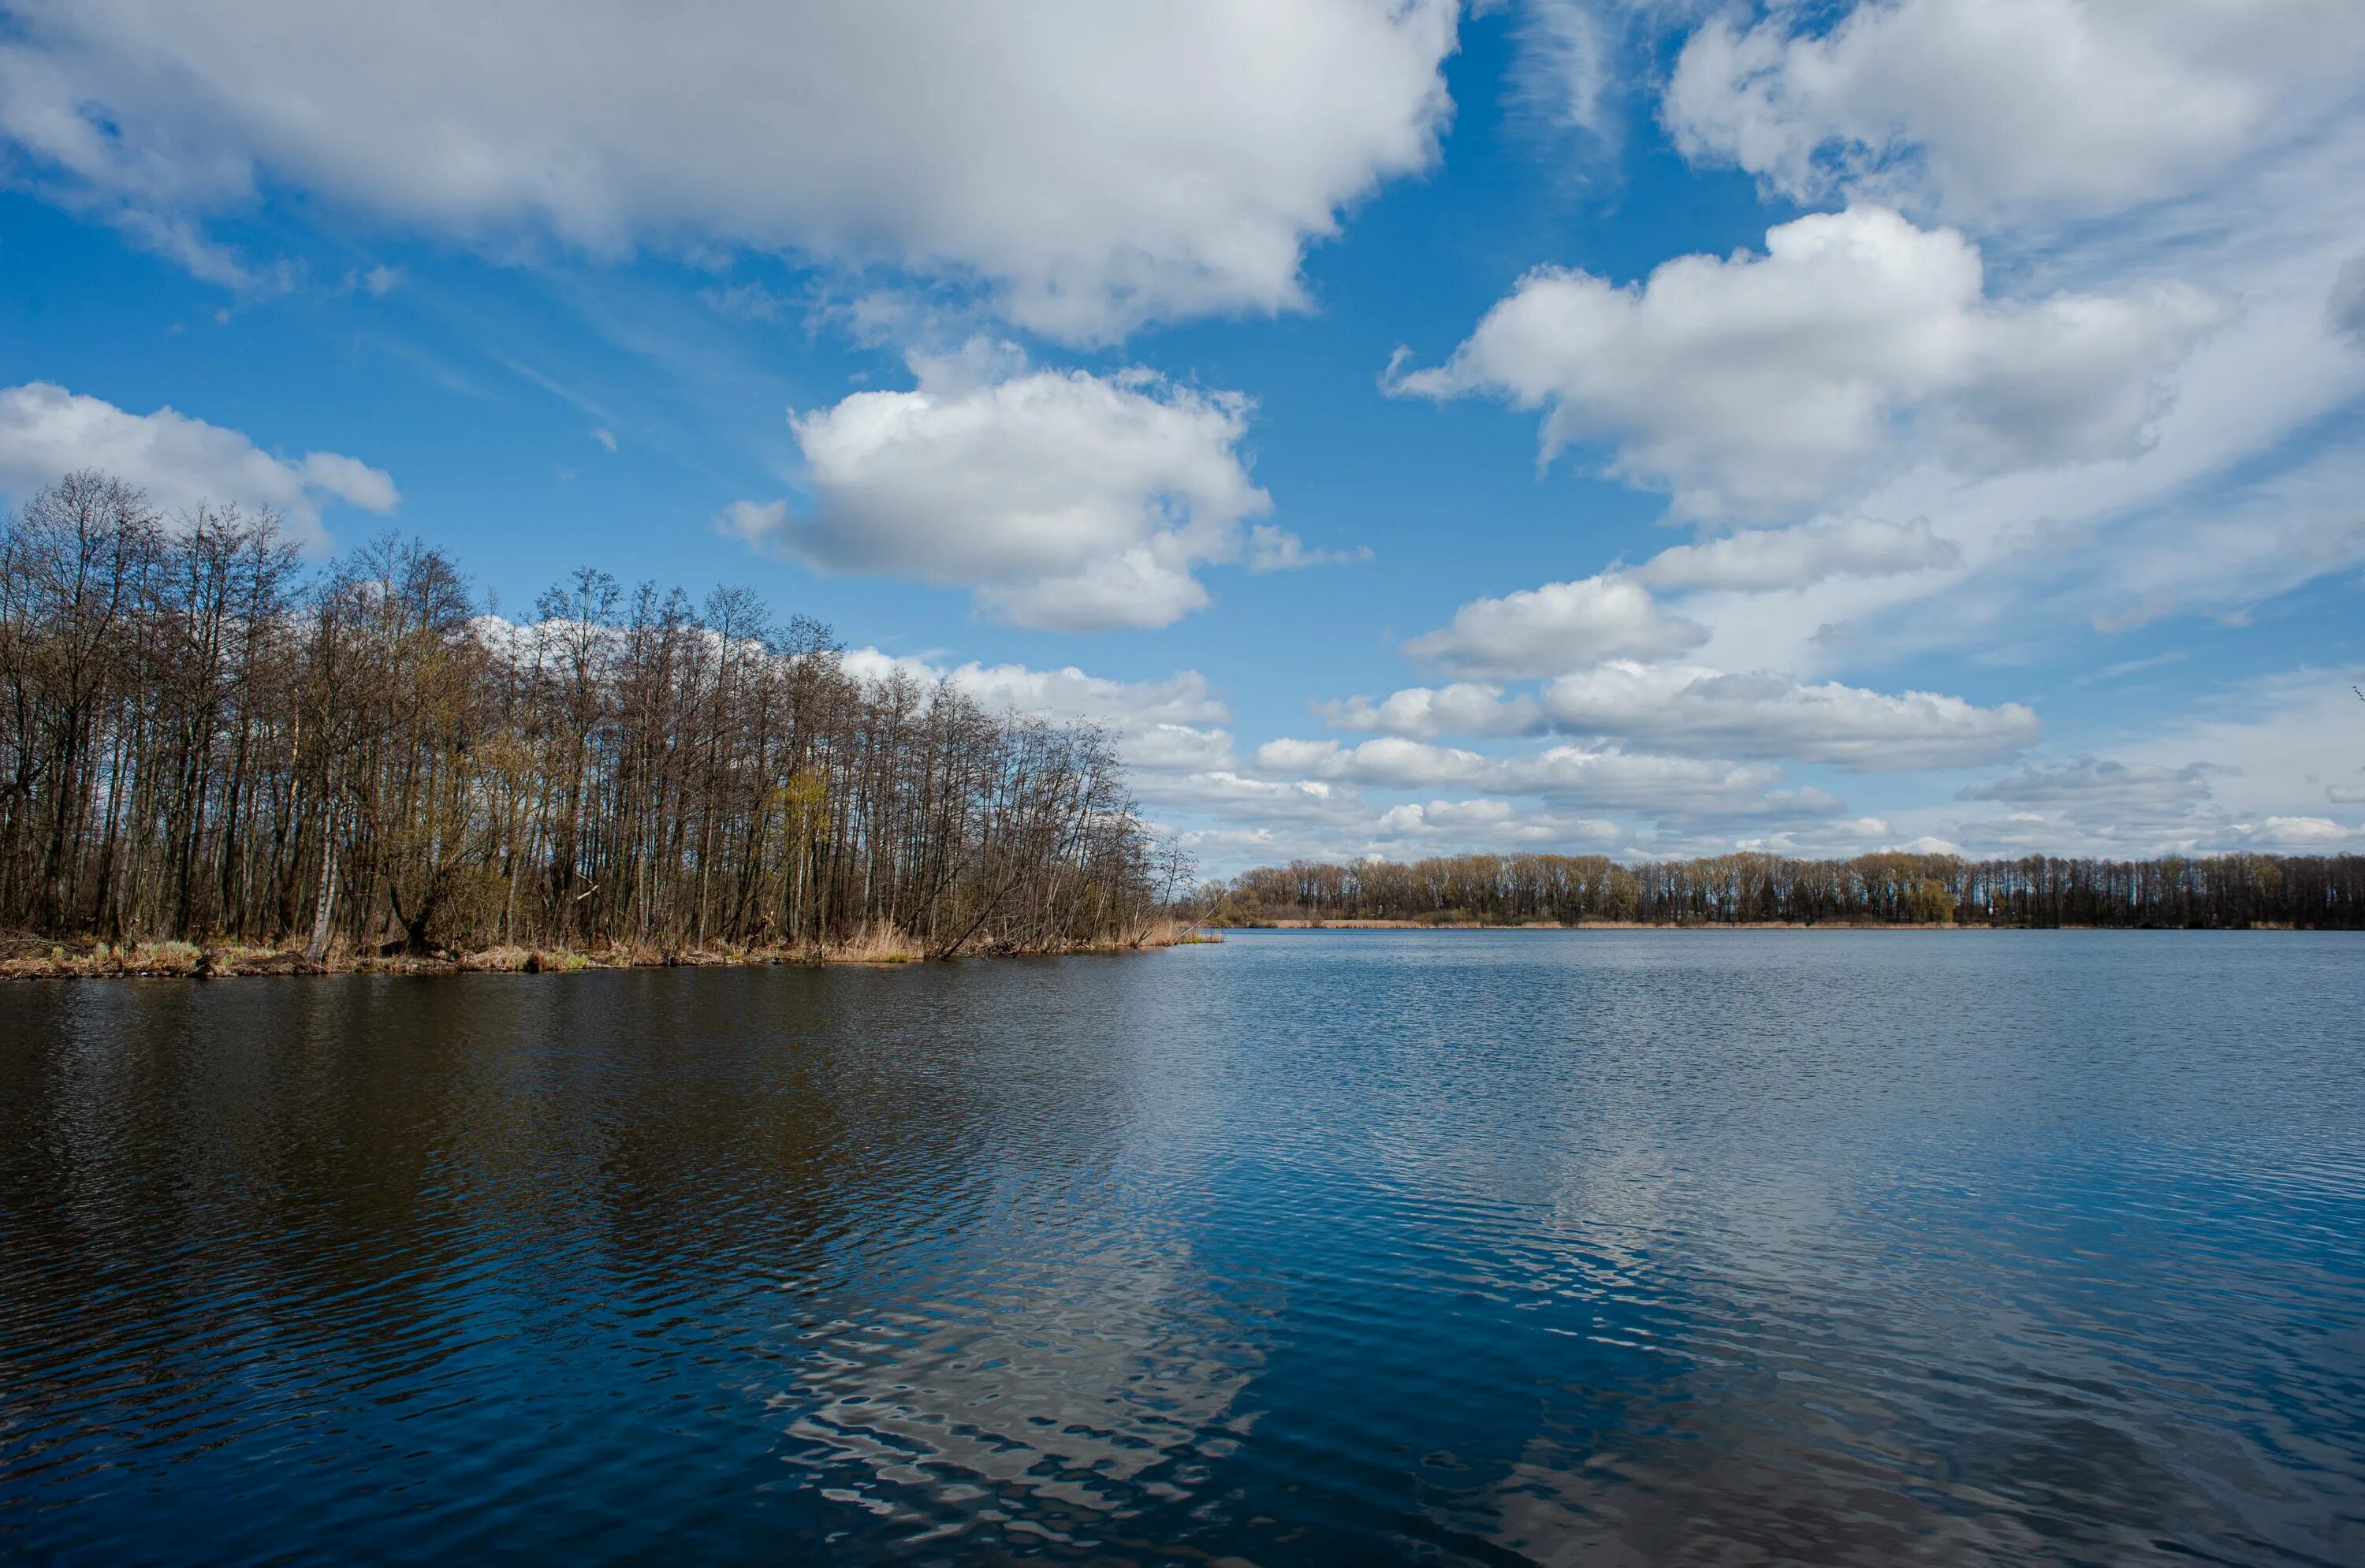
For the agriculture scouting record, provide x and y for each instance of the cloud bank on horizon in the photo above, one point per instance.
(1596, 425)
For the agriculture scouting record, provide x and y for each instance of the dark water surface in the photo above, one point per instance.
(1600, 1248)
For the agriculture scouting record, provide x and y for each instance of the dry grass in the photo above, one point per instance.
(875, 944)
(100, 960)
(24, 958)
(1168, 932)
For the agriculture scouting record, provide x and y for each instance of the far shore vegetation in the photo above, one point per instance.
(2222, 893)
(214, 761)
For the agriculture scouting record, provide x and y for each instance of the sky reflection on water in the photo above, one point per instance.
(1612, 1247)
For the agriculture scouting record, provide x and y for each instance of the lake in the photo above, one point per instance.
(1616, 1247)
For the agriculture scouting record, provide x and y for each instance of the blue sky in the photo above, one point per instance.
(1650, 427)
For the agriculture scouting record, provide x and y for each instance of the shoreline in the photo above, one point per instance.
(192, 960)
(34, 960)
(1724, 925)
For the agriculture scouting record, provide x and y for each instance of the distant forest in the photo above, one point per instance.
(201, 740)
(2219, 891)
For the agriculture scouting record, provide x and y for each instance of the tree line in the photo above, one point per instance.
(2218, 891)
(202, 740)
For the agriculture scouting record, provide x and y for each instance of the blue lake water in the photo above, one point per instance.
(1615, 1248)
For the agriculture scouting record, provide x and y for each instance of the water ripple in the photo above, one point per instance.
(1647, 1248)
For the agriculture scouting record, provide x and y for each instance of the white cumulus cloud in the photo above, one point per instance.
(1770, 560)
(1689, 708)
(1659, 785)
(1752, 384)
(1983, 109)
(45, 432)
(1168, 726)
(1390, 760)
(2103, 782)
(1095, 164)
(1063, 499)
(1494, 824)
(2304, 836)
(1184, 698)
(1695, 710)
(2251, 765)
(2085, 804)
(1602, 777)
(1557, 627)
(1259, 801)
(1422, 713)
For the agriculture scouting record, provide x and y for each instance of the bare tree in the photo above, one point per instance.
(196, 743)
